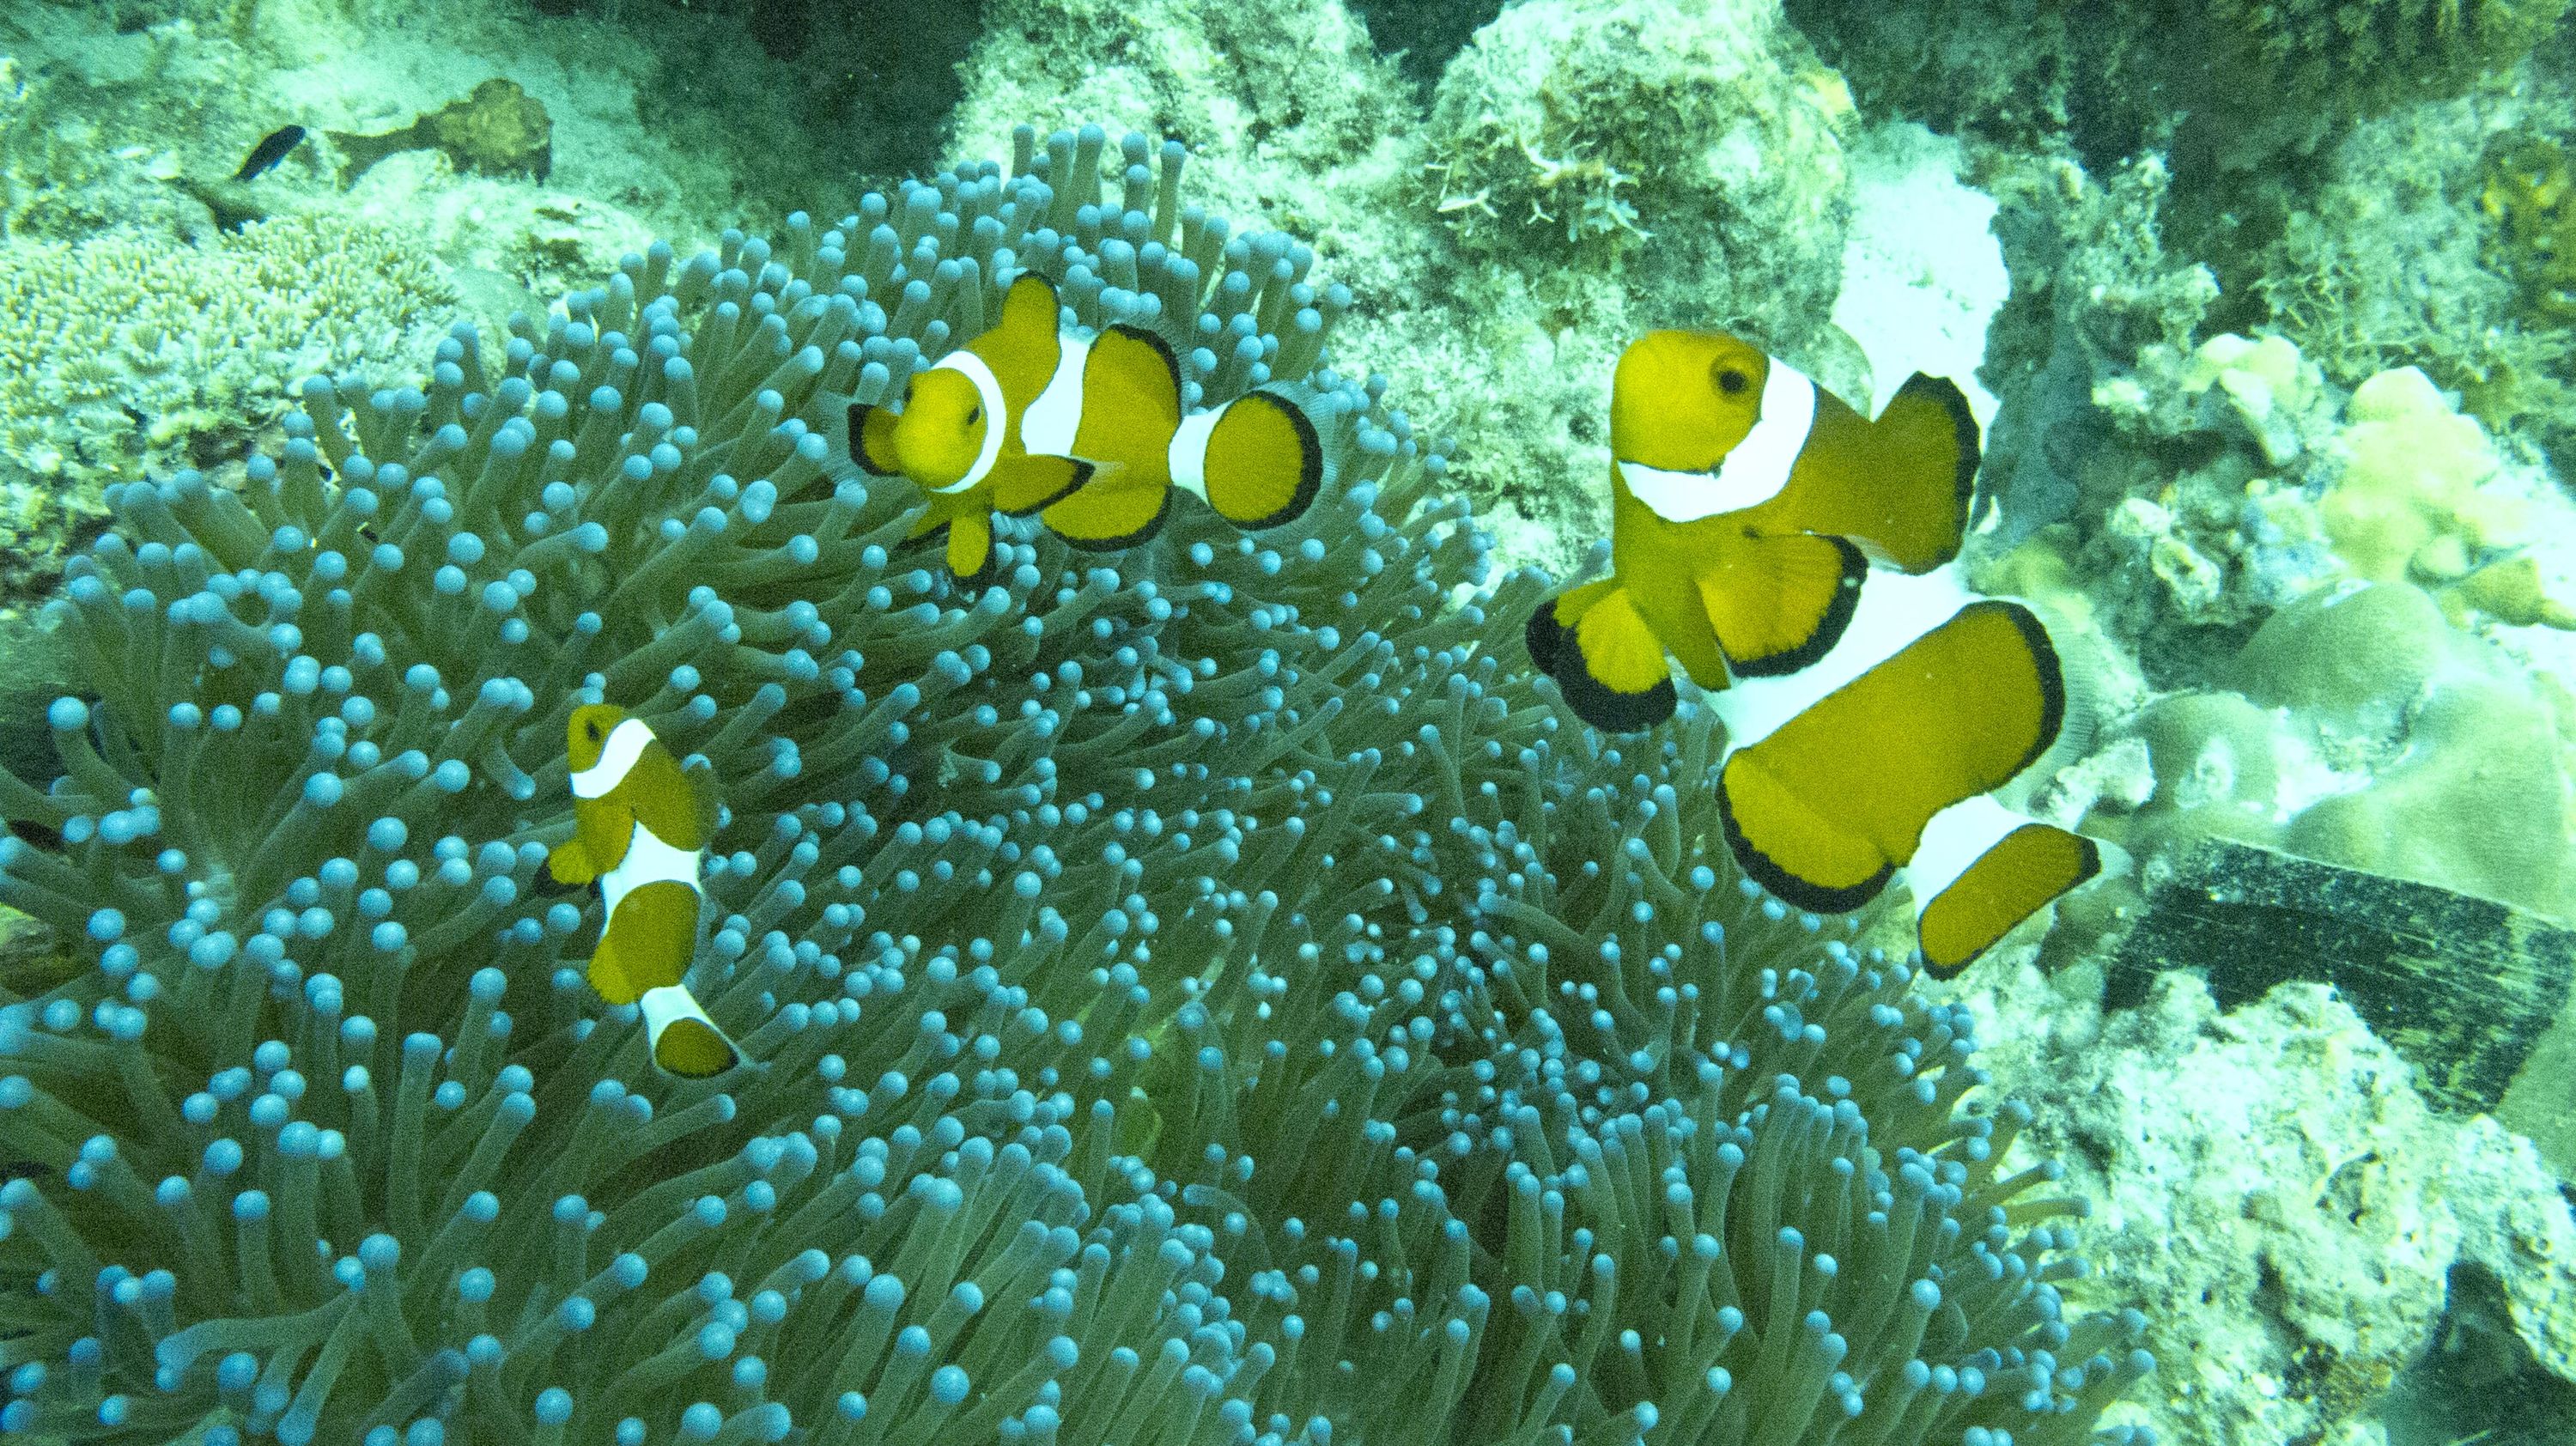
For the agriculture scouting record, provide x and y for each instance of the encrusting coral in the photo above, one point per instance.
(1205, 996)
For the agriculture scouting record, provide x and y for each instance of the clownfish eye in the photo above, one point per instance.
(590, 729)
(1732, 380)
(974, 415)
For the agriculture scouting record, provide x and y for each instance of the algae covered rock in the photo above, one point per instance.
(2274, 1176)
(1571, 131)
(499, 130)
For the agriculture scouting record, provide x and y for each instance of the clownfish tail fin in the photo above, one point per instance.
(682, 1039)
(1928, 447)
(1257, 459)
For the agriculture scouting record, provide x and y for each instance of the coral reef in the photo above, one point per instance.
(1205, 998)
(2364, 730)
(2359, 59)
(1566, 134)
(499, 130)
(123, 354)
(2271, 1175)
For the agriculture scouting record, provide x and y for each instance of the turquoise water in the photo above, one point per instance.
(2005, 876)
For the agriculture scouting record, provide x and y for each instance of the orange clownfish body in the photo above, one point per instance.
(1796, 558)
(1090, 435)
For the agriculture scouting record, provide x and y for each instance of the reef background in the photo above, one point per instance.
(2264, 309)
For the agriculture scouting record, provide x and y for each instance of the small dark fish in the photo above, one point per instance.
(270, 151)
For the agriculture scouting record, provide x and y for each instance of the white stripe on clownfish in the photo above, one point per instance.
(1049, 425)
(625, 744)
(988, 390)
(1753, 472)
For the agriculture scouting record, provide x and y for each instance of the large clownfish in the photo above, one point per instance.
(1796, 557)
(1088, 434)
(641, 824)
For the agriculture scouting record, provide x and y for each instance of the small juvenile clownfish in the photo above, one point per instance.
(1796, 558)
(641, 824)
(1088, 434)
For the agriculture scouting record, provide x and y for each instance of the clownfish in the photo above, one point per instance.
(641, 824)
(1797, 559)
(1088, 434)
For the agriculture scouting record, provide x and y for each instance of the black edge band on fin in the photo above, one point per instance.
(1080, 473)
(1310, 460)
(2052, 675)
(1787, 887)
(1829, 629)
(1963, 425)
(1545, 638)
(1142, 534)
(858, 443)
(1162, 348)
(1614, 712)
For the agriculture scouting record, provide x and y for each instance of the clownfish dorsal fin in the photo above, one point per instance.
(664, 801)
(1779, 603)
(700, 776)
(1022, 348)
(1131, 398)
(1031, 309)
(570, 863)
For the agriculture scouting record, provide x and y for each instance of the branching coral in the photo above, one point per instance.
(1209, 998)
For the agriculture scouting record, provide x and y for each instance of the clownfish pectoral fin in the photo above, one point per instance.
(1611, 667)
(1928, 440)
(871, 440)
(970, 548)
(1825, 807)
(1557, 616)
(683, 1040)
(570, 863)
(2022, 873)
(1119, 506)
(648, 943)
(1780, 603)
(1261, 463)
(1024, 484)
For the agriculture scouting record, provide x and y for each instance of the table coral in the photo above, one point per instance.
(1201, 995)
